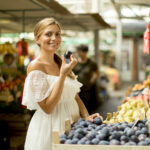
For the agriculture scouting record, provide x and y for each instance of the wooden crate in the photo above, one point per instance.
(5, 96)
(57, 146)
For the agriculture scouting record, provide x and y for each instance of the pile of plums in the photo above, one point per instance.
(97, 133)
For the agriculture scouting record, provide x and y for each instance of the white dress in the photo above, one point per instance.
(38, 86)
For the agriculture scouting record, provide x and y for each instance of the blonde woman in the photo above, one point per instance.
(50, 89)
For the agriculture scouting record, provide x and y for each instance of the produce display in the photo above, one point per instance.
(7, 48)
(98, 133)
(130, 125)
(134, 106)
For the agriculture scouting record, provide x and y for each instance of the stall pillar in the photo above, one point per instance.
(119, 45)
(135, 61)
(96, 46)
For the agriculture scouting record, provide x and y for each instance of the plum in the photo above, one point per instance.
(88, 142)
(144, 130)
(142, 137)
(124, 138)
(105, 131)
(67, 54)
(103, 142)
(78, 136)
(142, 143)
(130, 132)
(95, 141)
(138, 132)
(62, 140)
(97, 121)
(68, 141)
(75, 141)
(114, 142)
(63, 136)
(140, 125)
(134, 139)
(101, 137)
(91, 136)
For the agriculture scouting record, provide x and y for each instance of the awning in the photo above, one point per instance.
(19, 15)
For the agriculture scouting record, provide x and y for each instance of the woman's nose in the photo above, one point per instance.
(53, 37)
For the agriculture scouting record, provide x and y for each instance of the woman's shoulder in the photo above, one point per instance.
(35, 65)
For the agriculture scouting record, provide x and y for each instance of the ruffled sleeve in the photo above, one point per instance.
(36, 89)
(78, 85)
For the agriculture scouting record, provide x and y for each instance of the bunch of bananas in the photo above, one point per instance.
(7, 48)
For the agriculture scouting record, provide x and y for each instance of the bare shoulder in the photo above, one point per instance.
(35, 65)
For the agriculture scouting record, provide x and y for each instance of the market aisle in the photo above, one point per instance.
(115, 99)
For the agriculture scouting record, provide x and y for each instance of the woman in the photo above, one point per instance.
(51, 89)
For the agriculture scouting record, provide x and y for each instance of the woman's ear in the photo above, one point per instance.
(37, 40)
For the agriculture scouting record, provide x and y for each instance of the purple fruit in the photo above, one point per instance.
(75, 141)
(88, 142)
(62, 140)
(147, 140)
(63, 136)
(103, 143)
(67, 54)
(91, 136)
(142, 137)
(97, 121)
(134, 139)
(114, 142)
(130, 132)
(95, 141)
(144, 130)
(68, 141)
(124, 138)
(101, 137)
(105, 131)
(142, 143)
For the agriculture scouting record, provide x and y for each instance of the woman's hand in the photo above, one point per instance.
(91, 117)
(66, 68)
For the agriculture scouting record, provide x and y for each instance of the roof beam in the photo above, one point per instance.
(116, 7)
(133, 1)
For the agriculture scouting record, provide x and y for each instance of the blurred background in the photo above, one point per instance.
(111, 29)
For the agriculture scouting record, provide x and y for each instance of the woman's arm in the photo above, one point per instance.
(84, 112)
(50, 102)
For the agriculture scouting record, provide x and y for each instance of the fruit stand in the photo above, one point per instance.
(126, 129)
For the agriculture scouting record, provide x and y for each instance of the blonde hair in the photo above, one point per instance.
(38, 30)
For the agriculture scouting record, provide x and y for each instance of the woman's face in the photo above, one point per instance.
(50, 39)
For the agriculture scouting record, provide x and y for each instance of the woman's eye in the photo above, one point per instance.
(49, 34)
(57, 34)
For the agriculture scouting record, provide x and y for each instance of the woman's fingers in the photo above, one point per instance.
(91, 117)
(63, 59)
(73, 60)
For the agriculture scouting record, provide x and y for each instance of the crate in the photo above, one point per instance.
(6, 96)
(57, 146)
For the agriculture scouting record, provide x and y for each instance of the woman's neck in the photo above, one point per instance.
(46, 58)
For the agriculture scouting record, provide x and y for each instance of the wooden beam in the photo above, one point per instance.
(116, 7)
(53, 5)
(133, 1)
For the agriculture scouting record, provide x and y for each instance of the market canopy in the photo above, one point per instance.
(22, 15)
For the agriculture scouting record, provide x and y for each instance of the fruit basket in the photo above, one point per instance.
(57, 146)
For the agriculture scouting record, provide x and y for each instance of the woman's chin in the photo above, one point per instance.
(52, 49)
